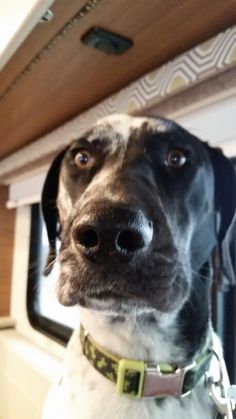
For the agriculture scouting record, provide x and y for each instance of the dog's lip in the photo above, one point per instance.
(116, 304)
(106, 294)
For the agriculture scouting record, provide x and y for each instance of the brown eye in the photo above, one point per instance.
(83, 159)
(176, 159)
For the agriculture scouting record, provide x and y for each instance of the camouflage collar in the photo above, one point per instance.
(144, 379)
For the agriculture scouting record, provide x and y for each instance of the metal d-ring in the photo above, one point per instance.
(222, 402)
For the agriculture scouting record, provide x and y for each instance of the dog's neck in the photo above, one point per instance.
(135, 337)
(160, 337)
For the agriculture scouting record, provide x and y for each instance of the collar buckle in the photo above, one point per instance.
(161, 384)
(150, 380)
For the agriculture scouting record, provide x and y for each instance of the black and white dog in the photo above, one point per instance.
(141, 205)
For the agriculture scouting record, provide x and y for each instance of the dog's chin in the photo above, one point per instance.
(116, 306)
(110, 304)
(127, 306)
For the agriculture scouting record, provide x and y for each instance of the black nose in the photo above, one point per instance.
(112, 232)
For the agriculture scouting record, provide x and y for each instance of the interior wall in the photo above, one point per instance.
(29, 361)
(23, 385)
(7, 224)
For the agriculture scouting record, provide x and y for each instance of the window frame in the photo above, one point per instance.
(54, 330)
(223, 311)
(226, 328)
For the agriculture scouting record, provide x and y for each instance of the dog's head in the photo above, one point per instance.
(141, 204)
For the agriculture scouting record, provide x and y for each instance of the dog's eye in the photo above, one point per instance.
(176, 159)
(83, 159)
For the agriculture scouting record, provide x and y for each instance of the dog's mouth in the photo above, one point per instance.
(122, 297)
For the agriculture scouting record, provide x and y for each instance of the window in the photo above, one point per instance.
(225, 326)
(224, 315)
(45, 313)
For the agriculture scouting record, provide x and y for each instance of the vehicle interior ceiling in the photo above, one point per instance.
(54, 76)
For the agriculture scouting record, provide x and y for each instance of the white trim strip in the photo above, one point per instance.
(6, 322)
(25, 26)
(27, 191)
(24, 201)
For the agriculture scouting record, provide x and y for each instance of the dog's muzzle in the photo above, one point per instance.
(103, 232)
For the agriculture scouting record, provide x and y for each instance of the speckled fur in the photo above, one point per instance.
(164, 316)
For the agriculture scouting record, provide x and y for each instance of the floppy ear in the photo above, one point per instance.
(225, 206)
(49, 208)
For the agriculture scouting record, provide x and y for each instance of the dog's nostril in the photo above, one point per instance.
(87, 238)
(130, 241)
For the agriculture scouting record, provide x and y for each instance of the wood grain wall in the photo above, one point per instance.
(7, 224)
(46, 84)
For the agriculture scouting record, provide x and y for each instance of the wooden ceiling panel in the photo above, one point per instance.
(71, 77)
(63, 11)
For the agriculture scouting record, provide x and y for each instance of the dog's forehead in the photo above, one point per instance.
(124, 125)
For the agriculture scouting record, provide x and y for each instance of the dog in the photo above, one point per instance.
(141, 204)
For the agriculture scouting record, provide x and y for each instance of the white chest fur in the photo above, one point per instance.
(84, 393)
